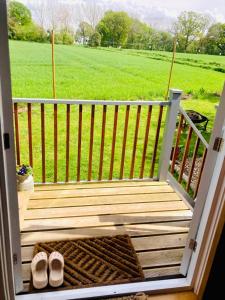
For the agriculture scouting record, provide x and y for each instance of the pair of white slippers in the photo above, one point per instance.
(39, 269)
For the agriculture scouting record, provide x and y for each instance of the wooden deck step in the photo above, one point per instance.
(150, 212)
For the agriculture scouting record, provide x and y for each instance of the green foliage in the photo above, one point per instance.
(114, 28)
(190, 27)
(64, 37)
(18, 13)
(21, 26)
(84, 32)
(215, 39)
(95, 40)
(29, 32)
(139, 35)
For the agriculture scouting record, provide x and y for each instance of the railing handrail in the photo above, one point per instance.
(90, 102)
(198, 133)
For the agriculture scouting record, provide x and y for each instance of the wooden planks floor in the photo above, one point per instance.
(150, 212)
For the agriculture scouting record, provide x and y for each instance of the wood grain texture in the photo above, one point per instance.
(43, 142)
(79, 141)
(150, 212)
(67, 141)
(154, 155)
(148, 122)
(17, 134)
(91, 142)
(135, 142)
(29, 125)
(101, 159)
(124, 141)
(113, 142)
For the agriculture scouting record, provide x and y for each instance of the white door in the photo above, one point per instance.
(8, 192)
(210, 175)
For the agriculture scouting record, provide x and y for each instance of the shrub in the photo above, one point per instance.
(64, 37)
(95, 40)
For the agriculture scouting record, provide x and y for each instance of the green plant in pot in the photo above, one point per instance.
(25, 181)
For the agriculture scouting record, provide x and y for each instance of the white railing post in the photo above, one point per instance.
(170, 126)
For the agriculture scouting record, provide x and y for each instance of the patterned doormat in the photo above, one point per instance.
(95, 261)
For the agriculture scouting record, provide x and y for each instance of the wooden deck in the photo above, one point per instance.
(150, 212)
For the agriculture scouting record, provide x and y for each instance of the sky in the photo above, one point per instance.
(158, 13)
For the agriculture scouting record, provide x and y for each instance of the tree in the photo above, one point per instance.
(214, 41)
(190, 27)
(95, 40)
(18, 13)
(139, 35)
(84, 32)
(91, 13)
(114, 28)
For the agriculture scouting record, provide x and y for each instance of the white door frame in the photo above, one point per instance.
(9, 223)
(210, 177)
(9, 201)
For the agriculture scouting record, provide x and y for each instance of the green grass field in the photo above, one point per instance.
(83, 73)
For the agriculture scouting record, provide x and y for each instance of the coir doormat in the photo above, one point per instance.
(95, 261)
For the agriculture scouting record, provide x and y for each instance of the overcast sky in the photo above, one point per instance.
(158, 13)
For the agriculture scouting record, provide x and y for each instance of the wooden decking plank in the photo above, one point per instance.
(161, 272)
(140, 244)
(149, 273)
(91, 185)
(102, 192)
(102, 210)
(107, 220)
(159, 242)
(147, 259)
(160, 258)
(95, 200)
(30, 238)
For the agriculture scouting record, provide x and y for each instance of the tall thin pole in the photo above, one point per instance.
(171, 67)
(53, 65)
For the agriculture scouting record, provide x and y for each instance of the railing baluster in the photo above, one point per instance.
(55, 142)
(67, 141)
(91, 142)
(43, 141)
(16, 120)
(200, 172)
(193, 164)
(113, 142)
(29, 124)
(186, 150)
(102, 143)
(79, 142)
(135, 142)
(124, 141)
(148, 122)
(156, 141)
(179, 130)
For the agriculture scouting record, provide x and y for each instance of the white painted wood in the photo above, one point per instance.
(158, 286)
(90, 102)
(210, 229)
(198, 133)
(171, 119)
(209, 179)
(9, 201)
(180, 191)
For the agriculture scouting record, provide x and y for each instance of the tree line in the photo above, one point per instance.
(195, 32)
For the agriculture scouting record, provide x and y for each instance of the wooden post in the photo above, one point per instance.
(171, 67)
(170, 126)
(53, 65)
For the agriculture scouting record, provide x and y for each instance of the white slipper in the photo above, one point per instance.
(39, 266)
(56, 271)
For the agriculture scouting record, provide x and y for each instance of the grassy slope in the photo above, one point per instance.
(101, 74)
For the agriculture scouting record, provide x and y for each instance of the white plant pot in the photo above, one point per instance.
(25, 183)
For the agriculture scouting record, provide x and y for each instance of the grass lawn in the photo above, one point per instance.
(83, 73)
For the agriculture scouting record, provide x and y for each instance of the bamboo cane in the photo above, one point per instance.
(53, 66)
(171, 67)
